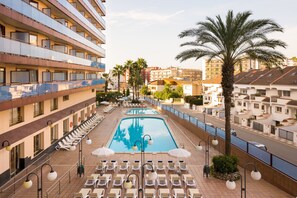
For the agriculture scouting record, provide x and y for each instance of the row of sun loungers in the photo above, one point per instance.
(109, 109)
(113, 165)
(79, 133)
(133, 105)
(102, 181)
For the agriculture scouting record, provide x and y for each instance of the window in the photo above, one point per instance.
(88, 111)
(239, 103)
(46, 77)
(82, 115)
(16, 115)
(38, 143)
(278, 109)
(74, 120)
(2, 75)
(54, 133)
(65, 126)
(286, 93)
(263, 107)
(54, 104)
(65, 98)
(33, 39)
(287, 111)
(2, 30)
(24, 76)
(256, 106)
(37, 108)
(59, 76)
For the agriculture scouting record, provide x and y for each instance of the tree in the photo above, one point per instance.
(144, 90)
(107, 81)
(117, 71)
(230, 41)
(179, 90)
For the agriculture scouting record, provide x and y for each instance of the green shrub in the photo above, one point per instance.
(225, 164)
(196, 100)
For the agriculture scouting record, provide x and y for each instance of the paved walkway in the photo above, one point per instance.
(64, 161)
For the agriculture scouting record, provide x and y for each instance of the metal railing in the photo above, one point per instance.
(59, 185)
(266, 157)
(15, 182)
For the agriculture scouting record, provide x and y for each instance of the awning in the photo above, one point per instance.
(291, 128)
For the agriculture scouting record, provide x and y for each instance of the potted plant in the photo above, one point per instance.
(224, 167)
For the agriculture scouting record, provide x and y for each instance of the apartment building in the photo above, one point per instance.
(50, 59)
(266, 101)
(176, 73)
(213, 68)
(146, 74)
(213, 92)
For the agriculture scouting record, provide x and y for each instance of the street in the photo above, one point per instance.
(280, 149)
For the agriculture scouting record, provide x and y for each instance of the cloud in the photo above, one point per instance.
(143, 16)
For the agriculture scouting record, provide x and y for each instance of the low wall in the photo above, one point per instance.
(268, 173)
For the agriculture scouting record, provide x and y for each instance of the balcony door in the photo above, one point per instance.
(16, 157)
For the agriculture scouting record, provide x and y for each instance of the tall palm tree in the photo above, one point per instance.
(230, 41)
(107, 81)
(118, 70)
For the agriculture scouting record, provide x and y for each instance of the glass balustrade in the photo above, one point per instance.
(74, 11)
(95, 12)
(42, 18)
(26, 90)
(25, 49)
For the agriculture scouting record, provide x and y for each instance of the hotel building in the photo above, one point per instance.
(50, 59)
(176, 73)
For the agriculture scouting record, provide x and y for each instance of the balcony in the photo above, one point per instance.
(98, 17)
(79, 15)
(25, 49)
(26, 90)
(101, 7)
(33, 13)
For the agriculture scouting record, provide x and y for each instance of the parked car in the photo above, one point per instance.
(233, 132)
(209, 124)
(259, 145)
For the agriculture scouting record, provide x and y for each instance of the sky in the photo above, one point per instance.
(149, 28)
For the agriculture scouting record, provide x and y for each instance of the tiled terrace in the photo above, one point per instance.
(63, 161)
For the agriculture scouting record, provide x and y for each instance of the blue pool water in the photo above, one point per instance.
(136, 111)
(132, 129)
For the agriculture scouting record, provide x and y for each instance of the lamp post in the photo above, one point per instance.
(206, 169)
(80, 167)
(128, 183)
(255, 174)
(7, 146)
(51, 176)
(150, 142)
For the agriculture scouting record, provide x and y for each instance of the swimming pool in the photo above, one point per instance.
(136, 111)
(132, 129)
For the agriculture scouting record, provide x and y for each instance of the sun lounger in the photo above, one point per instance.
(131, 193)
(194, 193)
(160, 165)
(149, 193)
(124, 166)
(189, 180)
(104, 180)
(83, 193)
(164, 193)
(136, 166)
(101, 166)
(162, 180)
(171, 166)
(114, 193)
(175, 180)
(118, 180)
(97, 193)
(182, 166)
(112, 165)
(91, 181)
(178, 193)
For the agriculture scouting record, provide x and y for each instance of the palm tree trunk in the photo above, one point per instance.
(227, 85)
(119, 84)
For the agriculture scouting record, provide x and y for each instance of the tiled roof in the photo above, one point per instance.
(271, 76)
(292, 103)
(251, 76)
(216, 80)
(289, 78)
(157, 82)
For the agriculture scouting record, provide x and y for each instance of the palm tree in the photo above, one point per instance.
(230, 41)
(107, 81)
(118, 70)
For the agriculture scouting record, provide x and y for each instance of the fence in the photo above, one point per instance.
(276, 162)
(14, 183)
(61, 184)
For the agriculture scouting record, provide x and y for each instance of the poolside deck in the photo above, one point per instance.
(63, 161)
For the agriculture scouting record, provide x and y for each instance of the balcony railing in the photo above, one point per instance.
(37, 15)
(74, 11)
(25, 49)
(26, 90)
(101, 5)
(101, 21)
